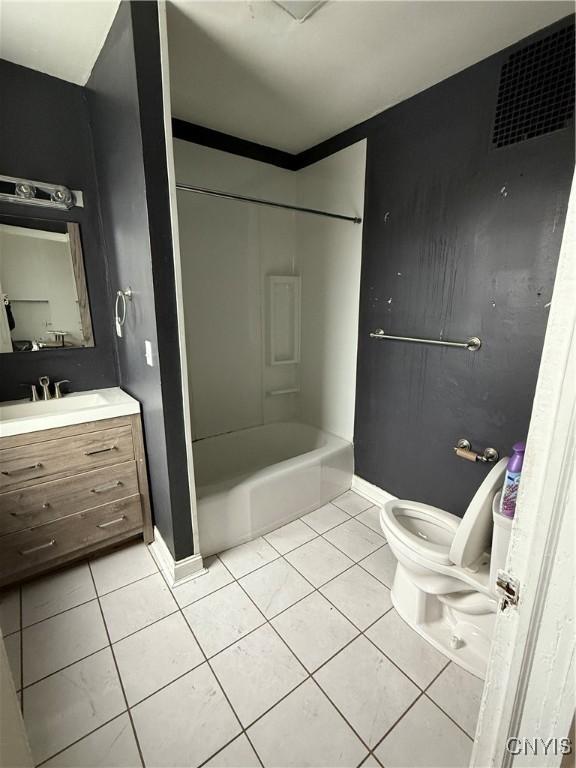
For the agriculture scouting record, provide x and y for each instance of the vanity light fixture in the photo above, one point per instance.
(27, 192)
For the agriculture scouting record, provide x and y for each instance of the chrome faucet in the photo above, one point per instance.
(57, 393)
(44, 382)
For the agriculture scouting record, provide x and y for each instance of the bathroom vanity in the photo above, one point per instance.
(73, 480)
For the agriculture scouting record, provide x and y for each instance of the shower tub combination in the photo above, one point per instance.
(254, 480)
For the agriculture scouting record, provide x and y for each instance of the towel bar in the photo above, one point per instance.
(473, 343)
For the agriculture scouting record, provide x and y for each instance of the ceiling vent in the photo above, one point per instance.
(300, 10)
(536, 94)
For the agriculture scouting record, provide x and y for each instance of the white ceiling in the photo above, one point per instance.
(248, 69)
(60, 37)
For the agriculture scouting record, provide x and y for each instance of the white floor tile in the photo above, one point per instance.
(217, 576)
(56, 592)
(382, 565)
(359, 596)
(290, 536)
(275, 587)
(370, 762)
(10, 611)
(133, 607)
(425, 738)
(247, 557)
(155, 656)
(314, 630)
(111, 746)
(222, 618)
(458, 693)
(61, 640)
(306, 730)
(318, 561)
(256, 672)
(414, 655)
(324, 518)
(70, 704)
(13, 651)
(238, 754)
(352, 503)
(368, 689)
(122, 567)
(371, 518)
(354, 539)
(186, 722)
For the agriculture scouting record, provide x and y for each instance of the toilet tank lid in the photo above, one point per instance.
(473, 536)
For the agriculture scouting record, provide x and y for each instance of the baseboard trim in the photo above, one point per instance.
(176, 571)
(371, 492)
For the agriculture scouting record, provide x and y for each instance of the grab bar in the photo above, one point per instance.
(473, 343)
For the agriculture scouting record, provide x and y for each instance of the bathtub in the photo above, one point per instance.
(254, 480)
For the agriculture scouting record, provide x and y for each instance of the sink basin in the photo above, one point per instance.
(20, 416)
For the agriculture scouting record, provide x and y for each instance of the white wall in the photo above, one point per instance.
(228, 249)
(331, 254)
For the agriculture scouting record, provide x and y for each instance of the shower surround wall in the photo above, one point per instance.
(229, 248)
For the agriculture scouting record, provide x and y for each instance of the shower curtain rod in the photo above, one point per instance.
(244, 198)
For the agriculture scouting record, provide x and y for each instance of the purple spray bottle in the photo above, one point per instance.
(512, 480)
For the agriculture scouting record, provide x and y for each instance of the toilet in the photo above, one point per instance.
(442, 586)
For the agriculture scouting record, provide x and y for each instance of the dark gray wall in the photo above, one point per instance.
(125, 100)
(460, 239)
(45, 135)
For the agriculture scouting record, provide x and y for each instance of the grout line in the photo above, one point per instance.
(66, 666)
(77, 741)
(448, 716)
(395, 723)
(310, 676)
(59, 613)
(118, 672)
(84, 602)
(243, 730)
(93, 653)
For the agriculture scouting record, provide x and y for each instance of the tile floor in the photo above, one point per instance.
(287, 652)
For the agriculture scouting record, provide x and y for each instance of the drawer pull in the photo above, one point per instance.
(38, 548)
(111, 522)
(46, 505)
(108, 487)
(10, 472)
(100, 450)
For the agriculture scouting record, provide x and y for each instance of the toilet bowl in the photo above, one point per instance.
(442, 586)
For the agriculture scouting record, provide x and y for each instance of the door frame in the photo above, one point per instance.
(530, 688)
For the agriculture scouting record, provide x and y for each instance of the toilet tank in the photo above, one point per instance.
(500, 541)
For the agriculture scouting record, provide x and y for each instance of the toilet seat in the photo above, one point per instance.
(422, 528)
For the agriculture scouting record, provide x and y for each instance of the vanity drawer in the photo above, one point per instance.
(59, 541)
(45, 502)
(25, 465)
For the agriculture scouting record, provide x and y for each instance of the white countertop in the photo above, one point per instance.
(20, 416)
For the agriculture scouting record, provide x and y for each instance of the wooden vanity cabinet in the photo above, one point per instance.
(69, 492)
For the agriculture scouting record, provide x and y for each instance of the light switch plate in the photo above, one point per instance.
(148, 352)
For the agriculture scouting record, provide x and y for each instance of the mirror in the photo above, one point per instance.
(43, 295)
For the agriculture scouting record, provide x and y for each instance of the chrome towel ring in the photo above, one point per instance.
(121, 297)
